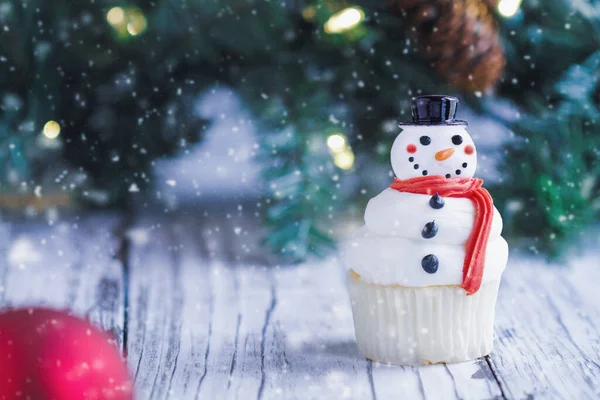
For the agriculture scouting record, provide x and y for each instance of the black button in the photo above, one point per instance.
(436, 201)
(425, 140)
(430, 263)
(429, 230)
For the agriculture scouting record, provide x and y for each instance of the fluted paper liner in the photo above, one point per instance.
(422, 325)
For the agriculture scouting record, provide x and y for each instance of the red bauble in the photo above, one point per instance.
(47, 354)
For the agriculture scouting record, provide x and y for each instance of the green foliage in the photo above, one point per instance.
(550, 188)
(542, 42)
(64, 62)
(315, 85)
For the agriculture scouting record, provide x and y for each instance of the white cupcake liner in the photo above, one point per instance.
(422, 325)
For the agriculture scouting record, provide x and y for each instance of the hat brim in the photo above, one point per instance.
(432, 123)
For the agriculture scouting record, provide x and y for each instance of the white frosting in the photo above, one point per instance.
(389, 260)
(424, 156)
(394, 213)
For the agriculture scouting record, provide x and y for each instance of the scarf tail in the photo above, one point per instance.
(477, 243)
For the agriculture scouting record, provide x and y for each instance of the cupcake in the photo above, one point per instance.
(425, 268)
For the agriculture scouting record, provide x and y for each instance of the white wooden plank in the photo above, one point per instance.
(548, 329)
(185, 318)
(310, 349)
(5, 242)
(244, 302)
(41, 264)
(98, 286)
(67, 264)
(220, 359)
(469, 380)
(257, 301)
(154, 317)
(208, 348)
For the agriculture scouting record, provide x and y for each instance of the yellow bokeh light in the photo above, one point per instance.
(127, 21)
(343, 157)
(344, 20)
(115, 16)
(137, 22)
(51, 129)
(508, 8)
(336, 142)
(344, 160)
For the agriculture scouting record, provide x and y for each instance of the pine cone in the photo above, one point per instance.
(459, 37)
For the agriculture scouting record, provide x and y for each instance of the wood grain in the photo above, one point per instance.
(212, 316)
(548, 330)
(309, 342)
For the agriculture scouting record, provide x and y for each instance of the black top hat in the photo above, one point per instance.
(434, 110)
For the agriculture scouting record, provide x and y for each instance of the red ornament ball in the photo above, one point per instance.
(47, 354)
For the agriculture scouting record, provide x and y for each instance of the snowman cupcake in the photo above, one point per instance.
(424, 271)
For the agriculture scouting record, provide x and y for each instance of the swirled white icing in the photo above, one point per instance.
(389, 248)
(393, 213)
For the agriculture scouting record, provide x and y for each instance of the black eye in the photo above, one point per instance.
(457, 139)
(425, 140)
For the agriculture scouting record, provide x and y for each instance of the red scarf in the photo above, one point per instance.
(471, 189)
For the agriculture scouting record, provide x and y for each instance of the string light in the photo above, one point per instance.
(344, 160)
(137, 22)
(336, 142)
(343, 157)
(508, 8)
(129, 21)
(51, 129)
(344, 20)
(115, 16)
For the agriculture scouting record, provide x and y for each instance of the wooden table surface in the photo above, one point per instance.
(202, 314)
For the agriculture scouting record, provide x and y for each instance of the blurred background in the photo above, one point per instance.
(286, 111)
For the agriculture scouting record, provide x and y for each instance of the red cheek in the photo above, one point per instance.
(469, 149)
(411, 148)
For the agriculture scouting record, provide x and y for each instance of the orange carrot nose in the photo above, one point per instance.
(444, 154)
